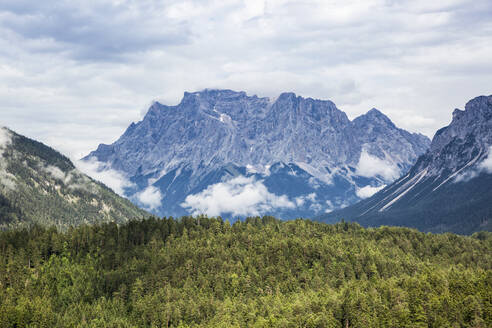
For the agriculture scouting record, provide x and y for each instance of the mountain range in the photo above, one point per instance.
(450, 186)
(224, 152)
(38, 185)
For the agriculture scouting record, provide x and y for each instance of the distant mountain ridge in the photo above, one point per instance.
(448, 189)
(38, 185)
(302, 154)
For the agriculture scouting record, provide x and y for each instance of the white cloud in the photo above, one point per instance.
(368, 191)
(486, 164)
(73, 179)
(301, 200)
(55, 172)
(5, 138)
(103, 173)
(335, 204)
(313, 182)
(240, 196)
(329, 206)
(150, 197)
(371, 166)
(311, 197)
(7, 180)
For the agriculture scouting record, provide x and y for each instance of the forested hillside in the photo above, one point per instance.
(258, 273)
(40, 185)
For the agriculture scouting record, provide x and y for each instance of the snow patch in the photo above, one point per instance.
(407, 186)
(322, 176)
(224, 118)
(368, 191)
(241, 196)
(258, 169)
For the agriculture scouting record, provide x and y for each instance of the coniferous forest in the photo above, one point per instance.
(260, 272)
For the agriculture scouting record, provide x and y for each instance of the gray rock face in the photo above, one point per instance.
(465, 141)
(448, 189)
(213, 130)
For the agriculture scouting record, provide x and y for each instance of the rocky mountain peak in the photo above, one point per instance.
(474, 122)
(374, 112)
(375, 116)
(457, 113)
(449, 187)
(297, 145)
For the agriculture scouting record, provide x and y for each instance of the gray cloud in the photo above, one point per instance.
(104, 30)
(76, 73)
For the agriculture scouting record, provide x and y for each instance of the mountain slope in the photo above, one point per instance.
(289, 156)
(448, 189)
(39, 185)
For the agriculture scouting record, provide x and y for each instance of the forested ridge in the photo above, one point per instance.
(40, 185)
(261, 272)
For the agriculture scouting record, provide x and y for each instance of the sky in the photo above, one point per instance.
(76, 73)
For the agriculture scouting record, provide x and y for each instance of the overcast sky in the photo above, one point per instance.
(76, 73)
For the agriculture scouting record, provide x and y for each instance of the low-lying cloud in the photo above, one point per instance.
(56, 172)
(150, 197)
(105, 174)
(7, 180)
(240, 196)
(5, 138)
(337, 203)
(73, 179)
(371, 166)
(486, 164)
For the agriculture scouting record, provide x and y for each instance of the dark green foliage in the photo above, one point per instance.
(259, 273)
(41, 151)
(8, 213)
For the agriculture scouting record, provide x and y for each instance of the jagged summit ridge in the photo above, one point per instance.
(466, 138)
(212, 129)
